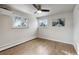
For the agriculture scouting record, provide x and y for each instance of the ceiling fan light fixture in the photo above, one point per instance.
(39, 11)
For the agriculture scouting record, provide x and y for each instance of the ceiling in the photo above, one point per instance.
(30, 9)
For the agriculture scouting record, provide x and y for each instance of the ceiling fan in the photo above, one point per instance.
(4, 6)
(39, 9)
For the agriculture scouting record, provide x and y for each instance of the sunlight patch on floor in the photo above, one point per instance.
(42, 50)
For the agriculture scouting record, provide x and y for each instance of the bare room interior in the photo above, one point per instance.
(39, 29)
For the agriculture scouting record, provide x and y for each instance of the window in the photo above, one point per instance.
(20, 22)
(43, 22)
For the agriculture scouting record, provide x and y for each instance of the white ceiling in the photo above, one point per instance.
(54, 8)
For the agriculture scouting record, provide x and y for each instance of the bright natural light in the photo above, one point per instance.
(43, 22)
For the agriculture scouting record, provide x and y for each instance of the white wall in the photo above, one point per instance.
(61, 34)
(10, 37)
(76, 28)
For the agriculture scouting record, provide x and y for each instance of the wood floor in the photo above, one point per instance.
(40, 47)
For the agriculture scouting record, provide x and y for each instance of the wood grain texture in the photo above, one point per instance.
(40, 46)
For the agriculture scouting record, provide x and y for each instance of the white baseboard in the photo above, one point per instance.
(76, 47)
(14, 44)
(56, 40)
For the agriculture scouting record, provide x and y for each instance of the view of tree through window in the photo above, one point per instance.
(20, 22)
(43, 22)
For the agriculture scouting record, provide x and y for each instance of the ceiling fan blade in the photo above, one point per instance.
(35, 6)
(39, 7)
(44, 10)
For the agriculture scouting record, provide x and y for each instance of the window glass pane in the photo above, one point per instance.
(20, 22)
(43, 22)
